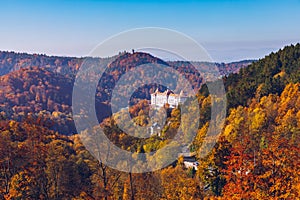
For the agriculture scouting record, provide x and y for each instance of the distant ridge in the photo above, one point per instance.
(12, 61)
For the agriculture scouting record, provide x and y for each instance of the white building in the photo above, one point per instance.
(154, 129)
(159, 99)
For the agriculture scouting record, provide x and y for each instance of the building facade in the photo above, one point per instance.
(159, 99)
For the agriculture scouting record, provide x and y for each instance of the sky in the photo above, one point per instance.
(230, 30)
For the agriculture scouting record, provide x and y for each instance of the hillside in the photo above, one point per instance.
(262, 128)
(33, 89)
(266, 76)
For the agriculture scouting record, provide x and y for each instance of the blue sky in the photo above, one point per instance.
(229, 30)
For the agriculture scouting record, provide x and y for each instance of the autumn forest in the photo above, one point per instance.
(256, 156)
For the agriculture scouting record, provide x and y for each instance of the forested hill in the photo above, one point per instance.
(266, 76)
